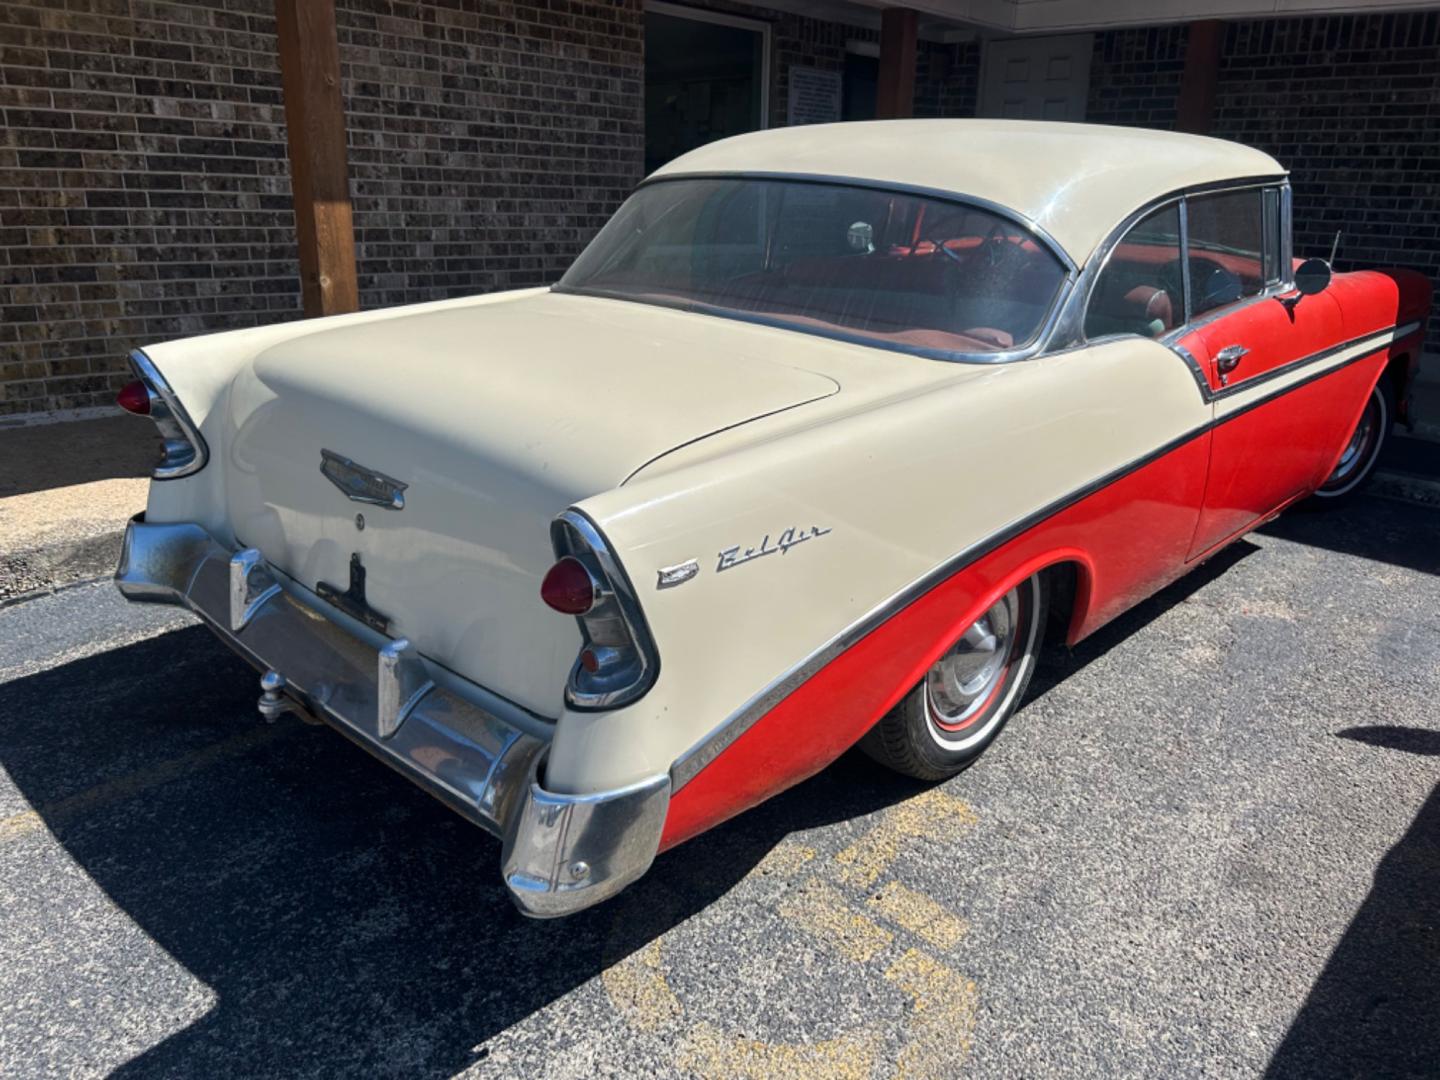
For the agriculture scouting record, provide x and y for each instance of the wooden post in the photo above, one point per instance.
(1195, 106)
(319, 172)
(895, 91)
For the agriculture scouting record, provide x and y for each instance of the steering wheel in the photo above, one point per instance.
(1216, 286)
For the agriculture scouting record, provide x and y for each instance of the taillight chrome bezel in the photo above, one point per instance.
(614, 629)
(185, 451)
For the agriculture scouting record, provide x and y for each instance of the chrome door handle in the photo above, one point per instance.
(1227, 360)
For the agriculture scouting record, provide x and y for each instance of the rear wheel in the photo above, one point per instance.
(958, 709)
(1362, 452)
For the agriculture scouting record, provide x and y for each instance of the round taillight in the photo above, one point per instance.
(568, 587)
(134, 398)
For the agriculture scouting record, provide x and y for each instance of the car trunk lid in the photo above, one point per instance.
(494, 419)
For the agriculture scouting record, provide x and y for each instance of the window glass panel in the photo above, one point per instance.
(1273, 269)
(883, 266)
(1225, 234)
(1139, 291)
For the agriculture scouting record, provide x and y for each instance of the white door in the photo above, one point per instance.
(1039, 78)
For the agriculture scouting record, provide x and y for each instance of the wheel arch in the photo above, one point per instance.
(1070, 583)
(1067, 568)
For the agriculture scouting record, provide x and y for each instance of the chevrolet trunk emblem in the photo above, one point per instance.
(362, 484)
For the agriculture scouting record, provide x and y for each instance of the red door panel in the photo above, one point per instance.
(1271, 452)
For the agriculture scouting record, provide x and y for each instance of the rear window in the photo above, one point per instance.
(885, 267)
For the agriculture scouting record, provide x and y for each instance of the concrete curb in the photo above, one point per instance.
(25, 575)
(1406, 487)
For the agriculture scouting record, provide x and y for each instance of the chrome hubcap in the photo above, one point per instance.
(964, 681)
(1361, 446)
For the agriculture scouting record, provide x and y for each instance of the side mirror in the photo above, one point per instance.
(1312, 276)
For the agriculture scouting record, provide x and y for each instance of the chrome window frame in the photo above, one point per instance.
(1037, 344)
(1069, 331)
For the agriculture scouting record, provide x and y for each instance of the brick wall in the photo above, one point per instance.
(947, 79)
(1135, 77)
(946, 76)
(488, 142)
(144, 191)
(1350, 104)
(143, 187)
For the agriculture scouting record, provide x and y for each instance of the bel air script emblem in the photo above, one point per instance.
(732, 557)
(362, 484)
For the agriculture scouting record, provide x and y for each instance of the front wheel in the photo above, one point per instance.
(1362, 452)
(946, 722)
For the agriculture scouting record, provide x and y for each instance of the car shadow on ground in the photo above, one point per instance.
(1385, 530)
(1059, 663)
(344, 921)
(1375, 1008)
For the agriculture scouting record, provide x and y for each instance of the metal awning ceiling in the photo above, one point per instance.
(957, 20)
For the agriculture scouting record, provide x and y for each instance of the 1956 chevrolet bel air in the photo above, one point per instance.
(813, 445)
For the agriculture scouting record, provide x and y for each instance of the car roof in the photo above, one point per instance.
(1075, 181)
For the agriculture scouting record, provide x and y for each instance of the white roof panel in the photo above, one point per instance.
(1075, 181)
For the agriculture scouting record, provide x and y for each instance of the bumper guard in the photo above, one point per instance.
(479, 754)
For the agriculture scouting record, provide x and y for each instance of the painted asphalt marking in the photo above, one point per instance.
(919, 914)
(946, 1004)
(638, 988)
(62, 811)
(931, 815)
(820, 910)
(939, 1031)
(718, 1056)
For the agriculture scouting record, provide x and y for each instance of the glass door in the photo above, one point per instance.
(705, 78)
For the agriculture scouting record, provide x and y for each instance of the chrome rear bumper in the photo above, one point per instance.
(481, 755)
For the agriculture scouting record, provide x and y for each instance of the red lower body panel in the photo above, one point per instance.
(1126, 539)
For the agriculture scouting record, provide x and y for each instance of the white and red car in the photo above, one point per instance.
(812, 446)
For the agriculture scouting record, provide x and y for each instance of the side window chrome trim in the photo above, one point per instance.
(1068, 333)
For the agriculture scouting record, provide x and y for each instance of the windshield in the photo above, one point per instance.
(885, 267)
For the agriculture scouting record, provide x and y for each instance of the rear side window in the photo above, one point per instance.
(1227, 248)
(1140, 288)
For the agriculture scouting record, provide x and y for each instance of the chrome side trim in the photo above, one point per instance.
(1195, 369)
(712, 745)
(1378, 338)
(571, 851)
(185, 449)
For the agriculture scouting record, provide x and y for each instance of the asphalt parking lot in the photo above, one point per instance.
(1209, 845)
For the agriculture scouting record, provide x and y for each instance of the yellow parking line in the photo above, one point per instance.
(638, 987)
(715, 1055)
(785, 859)
(933, 814)
(942, 1030)
(919, 914)
(820, 910)
(93, 798)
